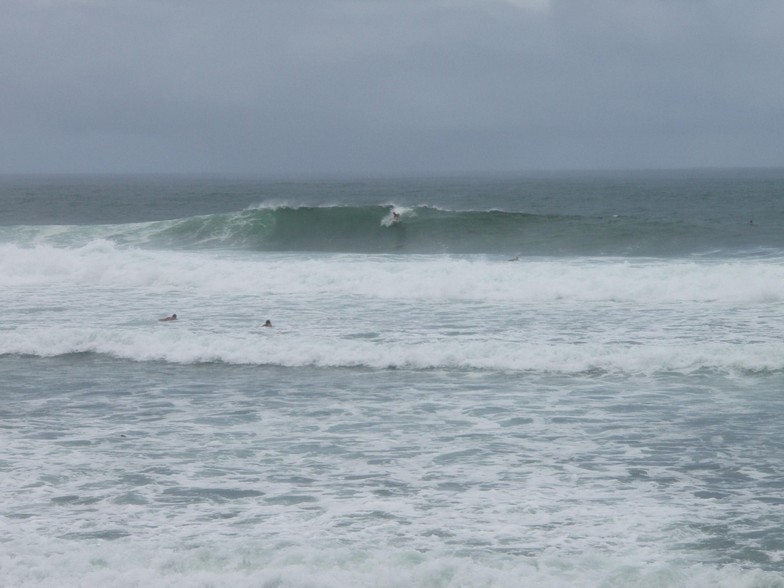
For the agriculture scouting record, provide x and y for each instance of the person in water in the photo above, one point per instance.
(395, 217)
(169, 318)
(267, 323)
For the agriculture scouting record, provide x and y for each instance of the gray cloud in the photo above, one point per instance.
(376, 86)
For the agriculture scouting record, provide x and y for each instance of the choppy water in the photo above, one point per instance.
(603, 411)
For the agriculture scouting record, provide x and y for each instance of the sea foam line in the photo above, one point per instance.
(183, 347)
(101, 264)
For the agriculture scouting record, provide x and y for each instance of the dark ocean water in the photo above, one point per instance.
(605, 410)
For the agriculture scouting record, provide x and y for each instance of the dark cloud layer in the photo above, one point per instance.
(389, 87)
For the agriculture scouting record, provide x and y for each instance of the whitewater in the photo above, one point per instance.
(554, 381)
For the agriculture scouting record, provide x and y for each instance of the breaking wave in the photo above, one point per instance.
(418, 229)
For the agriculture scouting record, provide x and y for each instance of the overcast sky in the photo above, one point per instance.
(367, 87)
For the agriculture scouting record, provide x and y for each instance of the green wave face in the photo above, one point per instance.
(426, 229)
(417, 230)
(368, 229)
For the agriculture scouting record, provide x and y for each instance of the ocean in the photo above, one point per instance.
(552, 380)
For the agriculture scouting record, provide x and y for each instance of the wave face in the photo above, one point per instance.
(365, 229)
(635, 214)
(418, 229)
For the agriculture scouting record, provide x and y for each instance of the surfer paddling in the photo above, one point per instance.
(168, 318)
(267, 323)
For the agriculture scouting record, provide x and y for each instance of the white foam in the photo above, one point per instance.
(399, 277)
(417, 312)
(236, 565)
(401, 211)
(179, 344)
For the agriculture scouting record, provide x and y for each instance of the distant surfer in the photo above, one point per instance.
(395, 217)
(168, 318)
(515, 258)
(267, 323)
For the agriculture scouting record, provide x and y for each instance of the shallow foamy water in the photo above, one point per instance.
(203, 475)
